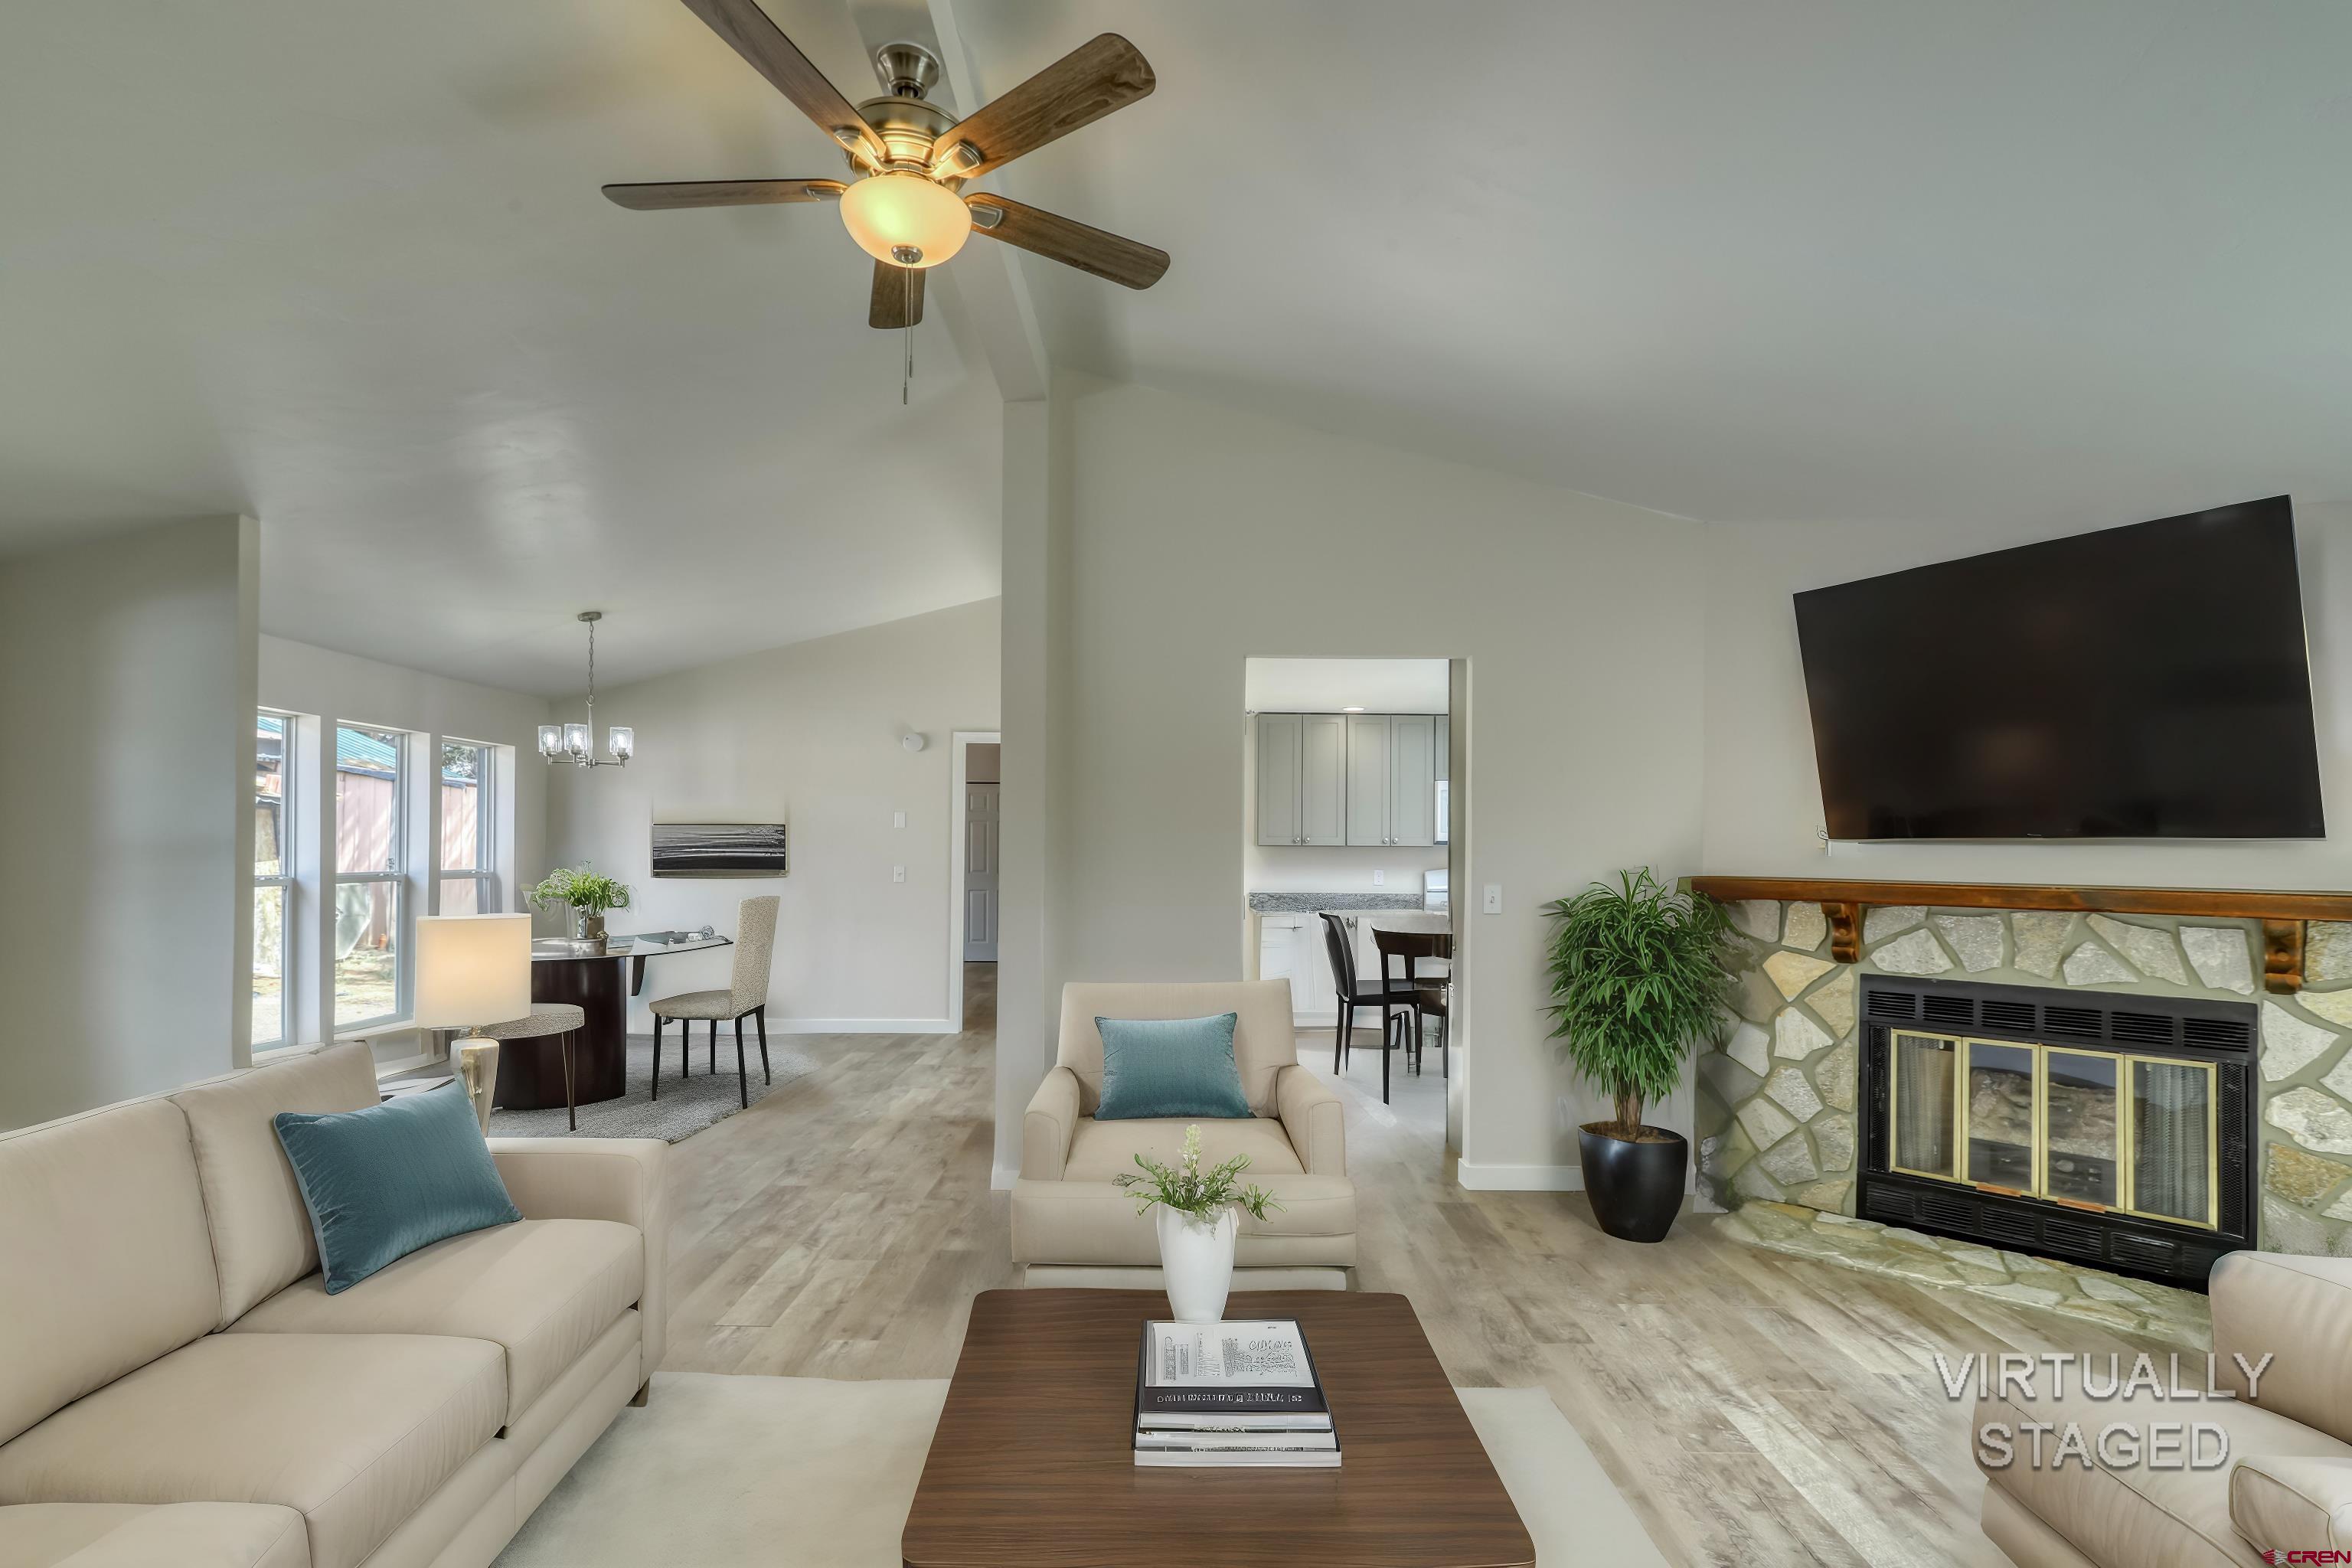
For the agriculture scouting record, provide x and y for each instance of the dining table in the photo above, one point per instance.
(599, 978)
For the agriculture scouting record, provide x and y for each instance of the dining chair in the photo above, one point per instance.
(1426, 994)
(746, 996)
(1340, 942)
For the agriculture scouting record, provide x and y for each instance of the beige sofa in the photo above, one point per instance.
(177, 1388)
(1073, 1225)
(2286, 1484)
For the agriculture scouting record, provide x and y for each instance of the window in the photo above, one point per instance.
(273, 882)
(368, 875)
(466, 876)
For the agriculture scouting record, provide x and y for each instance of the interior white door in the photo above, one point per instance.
(1368, 778)
(979, 869)
(1278, 759)
(1323, 779)
(1413, 779)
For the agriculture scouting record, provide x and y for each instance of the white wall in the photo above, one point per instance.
(809, 735)
(1763, 795)
(332, 686)
(1180, 537)
(126, 838)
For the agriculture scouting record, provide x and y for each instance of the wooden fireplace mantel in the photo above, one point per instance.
(2283, 914)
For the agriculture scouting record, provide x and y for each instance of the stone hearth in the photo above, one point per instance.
(1776, 1094)
(2129, 1306)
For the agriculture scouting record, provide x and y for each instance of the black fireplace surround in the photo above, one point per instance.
(2175, 1054)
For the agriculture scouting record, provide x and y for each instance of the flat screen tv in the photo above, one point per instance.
(2141, 682)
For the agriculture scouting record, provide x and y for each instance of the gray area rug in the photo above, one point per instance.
(687, 1105)
(727, 1472)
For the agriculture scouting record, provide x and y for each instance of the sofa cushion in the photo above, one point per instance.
(352, 1431)
(105, 1263)
(135, 1535)
(2140, 1513)
(543, 1289)
(1103, 1150)
(383, 1181)
(262, 1240)
(1095, 1222)
(1264, 1041)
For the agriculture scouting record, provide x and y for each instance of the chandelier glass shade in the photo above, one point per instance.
(575, 741)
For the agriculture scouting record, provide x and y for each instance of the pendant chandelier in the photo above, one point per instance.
(576, 744)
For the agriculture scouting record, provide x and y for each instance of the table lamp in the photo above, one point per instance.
(472, 971)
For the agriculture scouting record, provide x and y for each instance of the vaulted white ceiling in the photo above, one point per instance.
(347, 268)
(1985, 265)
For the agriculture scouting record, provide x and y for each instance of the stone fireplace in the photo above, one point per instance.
(2077, 1057)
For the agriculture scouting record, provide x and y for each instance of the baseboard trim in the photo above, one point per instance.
(862, 1025)
(1483, 1178)
(1000, 1178)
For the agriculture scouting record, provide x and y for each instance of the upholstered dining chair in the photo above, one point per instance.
(746, 996)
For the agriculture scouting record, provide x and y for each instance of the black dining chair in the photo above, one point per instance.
(1341, 945)
(1425, 995)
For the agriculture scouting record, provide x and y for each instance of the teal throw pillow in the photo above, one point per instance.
(383, 1181)
(1170, 1067)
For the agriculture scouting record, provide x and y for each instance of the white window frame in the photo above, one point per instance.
(288, 893)
(484, 875)
(396, 875)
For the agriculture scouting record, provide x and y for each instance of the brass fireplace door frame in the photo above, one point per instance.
(2127, 1131)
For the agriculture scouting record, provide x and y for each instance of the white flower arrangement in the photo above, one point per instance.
(1188, 1189)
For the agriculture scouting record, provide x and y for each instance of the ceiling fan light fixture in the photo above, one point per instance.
(897, 212)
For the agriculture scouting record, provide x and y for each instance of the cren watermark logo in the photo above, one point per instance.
(2021, 1381)
(2307, 1554)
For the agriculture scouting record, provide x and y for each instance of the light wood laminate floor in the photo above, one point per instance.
(1755, 1408)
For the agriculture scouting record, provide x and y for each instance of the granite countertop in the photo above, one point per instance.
(1309, 903)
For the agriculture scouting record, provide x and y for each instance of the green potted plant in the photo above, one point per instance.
(1636, 982)
(1198, 1219)
(589, 893)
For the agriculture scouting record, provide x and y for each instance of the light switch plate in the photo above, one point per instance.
(1380, 878)
(897, 819)
(1494, 904)
(898, 873)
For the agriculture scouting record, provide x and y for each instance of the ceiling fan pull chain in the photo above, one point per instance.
(907, 379)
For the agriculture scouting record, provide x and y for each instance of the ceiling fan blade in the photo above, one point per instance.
(676, 193)
(891, 300)
(1077, 89)
(1071, 243)
(750, 32)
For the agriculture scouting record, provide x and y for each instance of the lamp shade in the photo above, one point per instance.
(472, 970)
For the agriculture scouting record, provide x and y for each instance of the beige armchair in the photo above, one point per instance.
(2286, 1484)
(1073, 1224)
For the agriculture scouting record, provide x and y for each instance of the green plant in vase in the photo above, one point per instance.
(1637, 981)
(589, 894)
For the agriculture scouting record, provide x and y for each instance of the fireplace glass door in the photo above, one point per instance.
(1927, 1109)
(2001, 1116)
(2174, 1166)
(2090, 1129)
(2082, 1117)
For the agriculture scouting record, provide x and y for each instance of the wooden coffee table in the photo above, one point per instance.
(1033, 1465)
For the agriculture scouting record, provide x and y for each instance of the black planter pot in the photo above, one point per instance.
(1636, 1188)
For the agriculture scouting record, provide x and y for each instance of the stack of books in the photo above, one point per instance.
(1215, 1394)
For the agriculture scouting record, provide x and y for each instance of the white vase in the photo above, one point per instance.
(1196, 1257)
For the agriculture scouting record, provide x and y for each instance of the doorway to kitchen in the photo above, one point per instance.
(976, 774)
(1352, 821)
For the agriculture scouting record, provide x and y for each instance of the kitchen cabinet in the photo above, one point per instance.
(1392, 772)
(1302, 778)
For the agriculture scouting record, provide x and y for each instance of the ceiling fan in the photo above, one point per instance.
(908, 158)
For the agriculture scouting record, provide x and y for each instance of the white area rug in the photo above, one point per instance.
(729, 1472)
